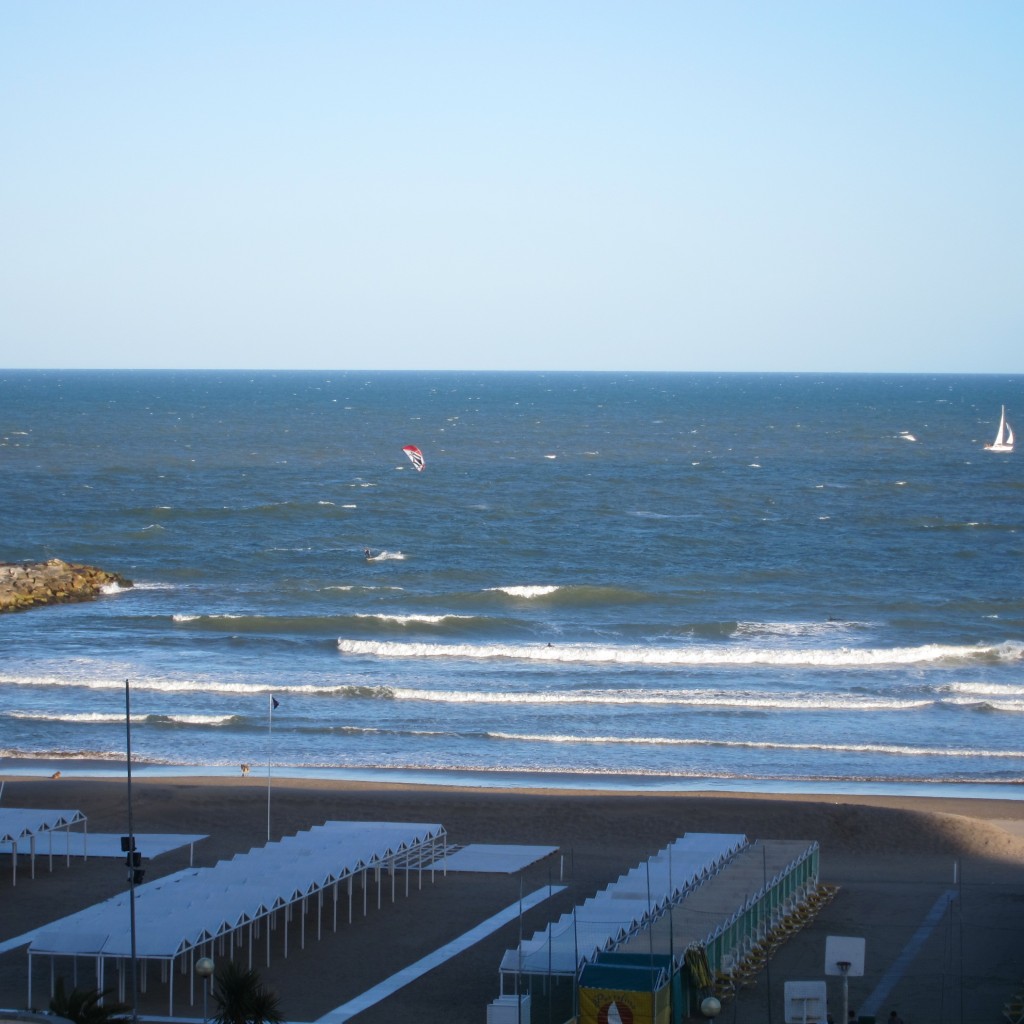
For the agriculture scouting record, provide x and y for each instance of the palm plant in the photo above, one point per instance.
(84, 1006)
(241, 998)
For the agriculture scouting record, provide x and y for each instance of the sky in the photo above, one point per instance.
(679, 186)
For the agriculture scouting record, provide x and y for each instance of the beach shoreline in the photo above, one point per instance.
(37, 767)
(890, 854)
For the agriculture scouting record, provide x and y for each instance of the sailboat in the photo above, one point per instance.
(1004, 436)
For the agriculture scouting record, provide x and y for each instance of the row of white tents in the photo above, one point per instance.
(180, 917)
(715, 894)
(621, 910)
(21, 828)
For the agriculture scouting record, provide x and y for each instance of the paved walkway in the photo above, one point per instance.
(439, 956)
(408, 974)
(871, 1006)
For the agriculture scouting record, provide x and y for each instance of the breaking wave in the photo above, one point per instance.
(838, 657)
(103, 718)
(852, 748)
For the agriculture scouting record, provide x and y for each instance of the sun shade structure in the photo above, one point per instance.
(622, 909)
(711, 893)
(739, 904)
(150, 844)
(182, 917)
(20, 827)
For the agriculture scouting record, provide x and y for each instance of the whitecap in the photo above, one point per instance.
(409, 619)
(527, 592)
(831, 657)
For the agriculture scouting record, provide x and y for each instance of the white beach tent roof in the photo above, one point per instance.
(21, 826)
(711, 908)
(624, 907)
(23, 822)
(193, 906)
(187, 909)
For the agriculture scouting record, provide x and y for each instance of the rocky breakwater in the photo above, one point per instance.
(30, 584)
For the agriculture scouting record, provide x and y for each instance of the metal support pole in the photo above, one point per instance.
(844, 966)
(131, 849)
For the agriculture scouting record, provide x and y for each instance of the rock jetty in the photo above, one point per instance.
(31, 584)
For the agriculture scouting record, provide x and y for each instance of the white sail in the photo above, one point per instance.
(1004, 436)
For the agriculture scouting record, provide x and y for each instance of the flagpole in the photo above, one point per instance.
(270, 727)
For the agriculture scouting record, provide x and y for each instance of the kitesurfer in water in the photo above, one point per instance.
(366, 553)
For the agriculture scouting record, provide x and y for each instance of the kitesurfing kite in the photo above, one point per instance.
(415, 456)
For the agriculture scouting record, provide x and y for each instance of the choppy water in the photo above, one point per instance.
(691, 577)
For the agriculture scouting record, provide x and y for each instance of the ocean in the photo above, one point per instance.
(714, 581)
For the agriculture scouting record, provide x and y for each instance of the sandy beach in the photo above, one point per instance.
(892, 857)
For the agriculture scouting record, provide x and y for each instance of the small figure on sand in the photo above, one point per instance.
(245, 769)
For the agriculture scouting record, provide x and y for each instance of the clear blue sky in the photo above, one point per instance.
(523, 185)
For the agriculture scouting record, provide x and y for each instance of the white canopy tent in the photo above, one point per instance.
(622, 909)
(177, 916)
(711, 908)
(20, 826)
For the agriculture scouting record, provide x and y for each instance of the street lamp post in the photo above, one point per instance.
(204, 968)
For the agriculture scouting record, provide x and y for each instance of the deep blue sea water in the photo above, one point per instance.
(692, 578)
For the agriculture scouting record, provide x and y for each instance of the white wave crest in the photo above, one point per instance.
(93, 717)
(837, 657)
(985, 689)
(794, 629)
(1014, 706)
(104, 718)
(645, 698)
(349, 586)
(195, 719)
(409, 619)
(113, 588)
(182, 617)
(151, 684)
(527, 592)
(387, 556)
(851, 748)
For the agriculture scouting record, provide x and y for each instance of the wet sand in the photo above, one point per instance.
(893, 858)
